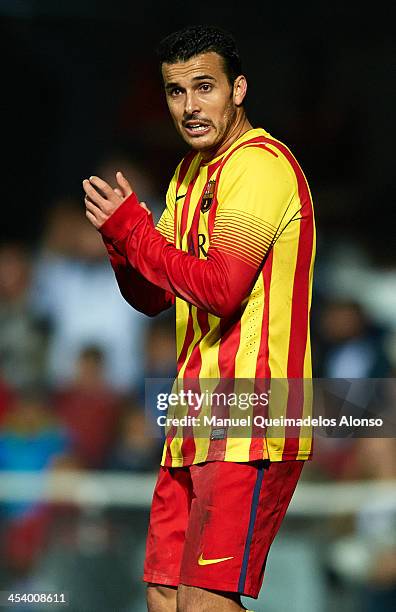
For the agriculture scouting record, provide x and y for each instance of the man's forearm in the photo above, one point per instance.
(218, 284)
(140, 293)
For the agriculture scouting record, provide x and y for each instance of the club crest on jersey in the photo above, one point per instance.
(207, 197)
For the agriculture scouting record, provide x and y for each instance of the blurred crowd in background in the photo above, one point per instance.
(74, 355)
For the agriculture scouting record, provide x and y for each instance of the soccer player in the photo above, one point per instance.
(234, 250)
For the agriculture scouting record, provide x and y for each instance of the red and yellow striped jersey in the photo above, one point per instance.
(235, 249)
(260, 212)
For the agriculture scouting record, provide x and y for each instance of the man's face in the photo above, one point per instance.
(201, 100)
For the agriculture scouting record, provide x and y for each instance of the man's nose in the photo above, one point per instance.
(191, 105)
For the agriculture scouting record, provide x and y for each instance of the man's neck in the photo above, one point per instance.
(240, 127)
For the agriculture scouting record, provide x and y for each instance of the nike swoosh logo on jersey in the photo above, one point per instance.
(202, 561)
(179, 197)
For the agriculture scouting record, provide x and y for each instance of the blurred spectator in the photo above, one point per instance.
(22, 340)
(366, 558)
(347, 345)
(160, 354)
(76, 292)
(60, 234)
(345, 270)
(89, 408)
(31, 440)
(160, 363)
(135, 449)
(353, 347)
(138, 178)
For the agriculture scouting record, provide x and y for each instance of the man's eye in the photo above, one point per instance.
(175, 92)
(205, 87)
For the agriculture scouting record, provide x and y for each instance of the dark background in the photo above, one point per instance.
(81, 92)
(80, 81)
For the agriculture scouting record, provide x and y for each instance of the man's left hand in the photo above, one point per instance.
(101, 200)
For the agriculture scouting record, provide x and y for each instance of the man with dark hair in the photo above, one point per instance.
(190, 42)
(234, 249)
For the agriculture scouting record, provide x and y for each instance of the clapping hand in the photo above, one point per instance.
(101, 200)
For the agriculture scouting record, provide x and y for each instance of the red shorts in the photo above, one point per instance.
(212, 524)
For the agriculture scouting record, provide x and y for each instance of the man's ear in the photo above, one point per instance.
(240, 89)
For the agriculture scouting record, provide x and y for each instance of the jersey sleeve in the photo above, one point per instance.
(220, 283)
(256, 200)
(137, 290)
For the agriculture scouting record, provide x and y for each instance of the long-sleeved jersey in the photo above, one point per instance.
(234, 248)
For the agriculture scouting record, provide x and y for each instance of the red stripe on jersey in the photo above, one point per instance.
(188, 338)
(193, 366)
(168, 455)
(213, 167)
(300, 300)
(230, 337)
(263, 370)
(300, 307)
(262, 367)
(186, 206)
(262, 146)
(186, 163)
(192, 238)
(230, 333)
(299, 331)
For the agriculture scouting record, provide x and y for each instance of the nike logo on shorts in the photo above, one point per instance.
(202, 561)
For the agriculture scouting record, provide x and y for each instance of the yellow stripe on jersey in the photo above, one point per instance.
(238, 442)
(209, 347)
(249, 344)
